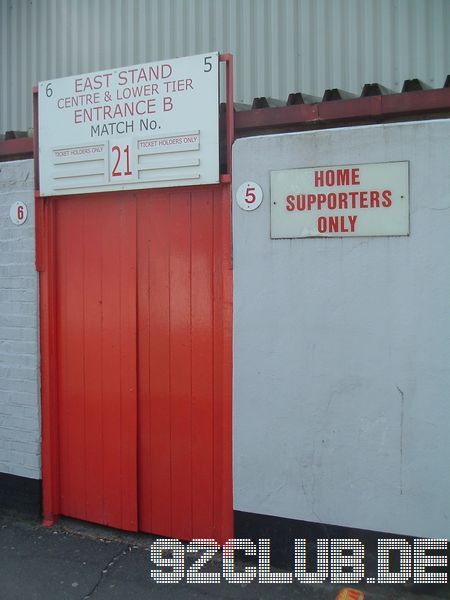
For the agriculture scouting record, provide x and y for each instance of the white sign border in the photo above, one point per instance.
(337, 236)
(162, 182)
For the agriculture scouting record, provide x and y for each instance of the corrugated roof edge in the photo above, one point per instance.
(373, 106)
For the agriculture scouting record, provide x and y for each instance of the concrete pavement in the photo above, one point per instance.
(76, 561)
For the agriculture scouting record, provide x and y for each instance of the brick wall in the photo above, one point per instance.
(19, 363)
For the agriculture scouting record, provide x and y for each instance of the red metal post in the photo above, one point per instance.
(227, 526)
(228, 59)
(224, 464)
(45, 256)
(36, 136)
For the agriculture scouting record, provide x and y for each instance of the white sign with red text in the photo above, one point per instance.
(340, 201)
(149, 125)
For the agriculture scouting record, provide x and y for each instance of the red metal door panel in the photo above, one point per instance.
(202, 365)
(179, 232)
(154, 414)
(136, 293)
(184, 303)
(96, 357)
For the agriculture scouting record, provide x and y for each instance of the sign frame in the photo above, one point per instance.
(186, 160)
(304, 204)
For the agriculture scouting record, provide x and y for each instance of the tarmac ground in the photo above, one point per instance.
(78, 561)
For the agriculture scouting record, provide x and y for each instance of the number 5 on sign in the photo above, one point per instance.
(121, 159)
(249, 195)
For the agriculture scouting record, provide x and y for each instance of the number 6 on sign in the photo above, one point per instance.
(18, 213)
(249, 195)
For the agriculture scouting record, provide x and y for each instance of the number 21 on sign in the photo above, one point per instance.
(120, 161)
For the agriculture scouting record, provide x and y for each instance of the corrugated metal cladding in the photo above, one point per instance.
(280, 46)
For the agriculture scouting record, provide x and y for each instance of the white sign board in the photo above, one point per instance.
(149, 125)
(340, 201)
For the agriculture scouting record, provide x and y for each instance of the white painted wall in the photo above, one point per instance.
(19, 369)
(342, 346)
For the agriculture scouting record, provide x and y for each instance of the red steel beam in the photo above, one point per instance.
(16, 149)
(375, 108)
(334, 113)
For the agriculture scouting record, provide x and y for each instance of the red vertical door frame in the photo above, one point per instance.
(45, 265)
(223, 346)
(223, 466)
(223, 319)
